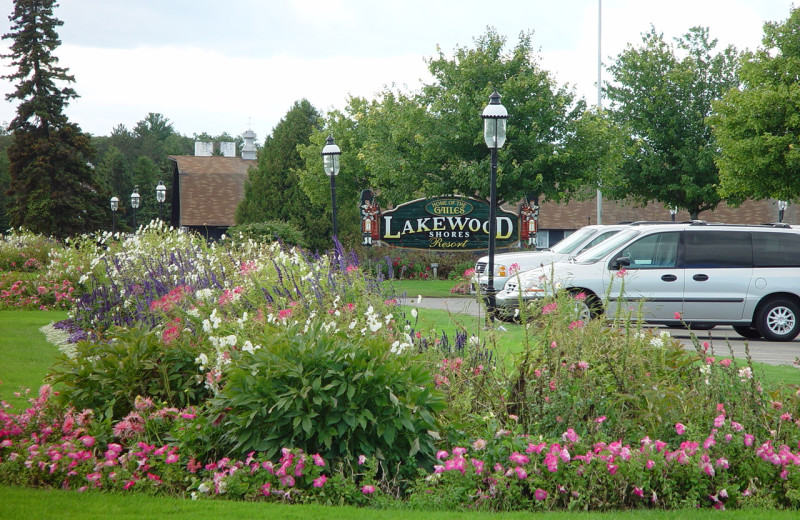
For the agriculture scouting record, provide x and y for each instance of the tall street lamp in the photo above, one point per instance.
(781, 208)
(330, 162)
(135, 204)
(114, 208)
(673, 210)
(161, 196)
(494, 133)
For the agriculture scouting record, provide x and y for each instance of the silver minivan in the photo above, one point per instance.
(684, 273)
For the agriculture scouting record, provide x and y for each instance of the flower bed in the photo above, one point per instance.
(254, 371)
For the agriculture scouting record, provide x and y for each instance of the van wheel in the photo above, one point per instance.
(746, 331)
(779, 320)
(587, 307)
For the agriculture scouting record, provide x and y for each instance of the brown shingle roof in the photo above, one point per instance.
(210, 188)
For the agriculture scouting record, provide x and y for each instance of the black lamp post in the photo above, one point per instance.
(781, 208)
(161, 196)
(135, 198)
(330, 162)
(673, 210)
(114, 208)
(494, 133)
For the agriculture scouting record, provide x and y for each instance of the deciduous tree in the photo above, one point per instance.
(663, 93)
(757, 125)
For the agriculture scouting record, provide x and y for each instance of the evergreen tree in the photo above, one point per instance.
(272, 190)
(52, 187)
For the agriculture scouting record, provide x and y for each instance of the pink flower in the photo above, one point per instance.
(575, 325)
(265, 489)
(320, 481)
(318, 460)
(650, 464)
(719, 421)
(639, 492)
(680, 428)
(550, 308)
(479, 444)
(521, 473)
(362, 459)
(368, 490)
(441, 454)
(600, 420)
(749, 439)
(725, 362)
(612, 468)
(519, 458)
(478, 465)
(540, 494)
(172, 458)
(188, 416)
(678, 315)
(570, 435)
(87, 441)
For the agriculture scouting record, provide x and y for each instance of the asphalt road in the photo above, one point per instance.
(722, 339)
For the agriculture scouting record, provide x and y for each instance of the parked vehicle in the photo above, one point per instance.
(683, 273)
(507, 265)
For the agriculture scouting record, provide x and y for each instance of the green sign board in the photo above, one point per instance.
(446, 224)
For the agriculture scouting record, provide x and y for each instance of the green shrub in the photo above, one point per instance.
(108, 376)
(269, 231)
(324, 393)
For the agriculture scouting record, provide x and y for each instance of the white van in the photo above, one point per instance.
(690, 272)
(507, 265)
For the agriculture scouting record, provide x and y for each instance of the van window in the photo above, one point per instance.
(656, 251)
(600, 238)
(718, 249)
(776, 249)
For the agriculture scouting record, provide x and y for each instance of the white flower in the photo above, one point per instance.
(203, 487)
(413, 313)
(745, 374)
(419, 299)
(202, 360)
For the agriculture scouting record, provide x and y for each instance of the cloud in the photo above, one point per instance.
(204, 90)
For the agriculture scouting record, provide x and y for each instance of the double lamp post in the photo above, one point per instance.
(161, 196)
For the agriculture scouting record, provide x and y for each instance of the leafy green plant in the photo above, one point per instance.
(324, 393)
(108, 376)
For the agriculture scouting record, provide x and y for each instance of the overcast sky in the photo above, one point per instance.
(217, 66)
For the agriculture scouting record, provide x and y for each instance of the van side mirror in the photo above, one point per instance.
(619, 263)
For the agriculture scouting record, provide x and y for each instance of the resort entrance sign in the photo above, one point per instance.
(452, 223)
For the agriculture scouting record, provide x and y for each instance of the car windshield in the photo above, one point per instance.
(603, 248)
(573, 242)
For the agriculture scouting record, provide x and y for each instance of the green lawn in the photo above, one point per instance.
(37, 504)
(25, 353)
(425, 288)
